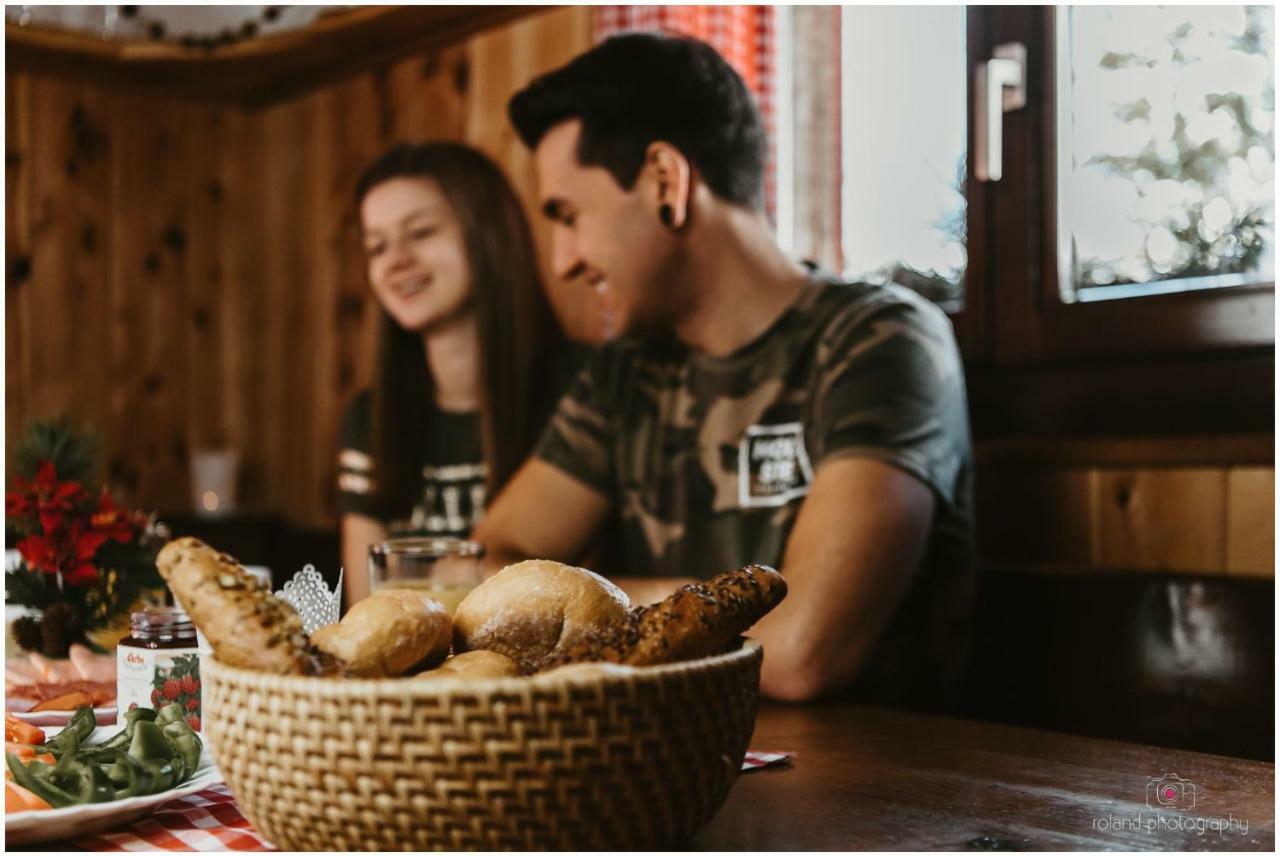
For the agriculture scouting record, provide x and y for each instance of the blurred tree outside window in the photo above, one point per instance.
(1166, 149)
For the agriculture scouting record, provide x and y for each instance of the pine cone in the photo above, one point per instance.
(60, 628)
(27, 633)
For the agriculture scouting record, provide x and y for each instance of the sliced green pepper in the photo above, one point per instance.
(185, 742)
(86, 782)
(171, 713)
(133, 777)
(41, 785)
(125, 774)
(122, 738)
(149, 743)
(163, 774)
(148, 756)
(78, 728)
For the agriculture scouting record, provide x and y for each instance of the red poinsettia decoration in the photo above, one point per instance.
(66, 525)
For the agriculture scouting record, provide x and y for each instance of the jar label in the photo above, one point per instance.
(153, 678)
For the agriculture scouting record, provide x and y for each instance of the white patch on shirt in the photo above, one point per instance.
(453, 499)
(773, 465)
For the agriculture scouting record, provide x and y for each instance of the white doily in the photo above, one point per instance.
(311, 598)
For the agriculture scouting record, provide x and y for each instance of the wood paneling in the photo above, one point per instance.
(195, 273)
(17, 249)
(1251, 518)
(1179, 507)
(154, 221)
(257, 72)
(1067, 452)
(1162, 520)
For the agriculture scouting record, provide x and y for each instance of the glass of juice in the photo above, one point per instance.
(444, 568)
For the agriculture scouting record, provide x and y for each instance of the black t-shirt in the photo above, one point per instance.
(450, 497)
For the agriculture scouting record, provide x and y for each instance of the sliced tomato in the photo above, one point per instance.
(18, 799)
(21, 731)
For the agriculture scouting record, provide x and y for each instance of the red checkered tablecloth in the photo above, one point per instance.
(205, 821)
(211, 821)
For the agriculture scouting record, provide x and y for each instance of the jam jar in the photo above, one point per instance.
(159, 663)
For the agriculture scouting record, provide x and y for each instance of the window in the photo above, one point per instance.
(904, 147)
(1166, 164)
(1119, 274)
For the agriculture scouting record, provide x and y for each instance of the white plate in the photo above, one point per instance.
(42, 825)
(106, 716)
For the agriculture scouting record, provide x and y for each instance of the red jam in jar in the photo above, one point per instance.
(159, 663)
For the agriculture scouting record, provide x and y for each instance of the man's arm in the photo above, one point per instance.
(546, 514)
(543, 513)
(854, 548)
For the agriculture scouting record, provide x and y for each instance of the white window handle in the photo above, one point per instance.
(1000, 86)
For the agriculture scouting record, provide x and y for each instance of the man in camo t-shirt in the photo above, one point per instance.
(750, 410)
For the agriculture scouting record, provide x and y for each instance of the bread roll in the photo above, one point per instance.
(245, 624)
(693, 622)
(536, 609)
(478, 664)
(388, 633)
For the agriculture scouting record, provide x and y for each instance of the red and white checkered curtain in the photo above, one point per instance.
(744, 35)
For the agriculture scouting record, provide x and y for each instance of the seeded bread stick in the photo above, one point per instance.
(695, 621)
(244, 623)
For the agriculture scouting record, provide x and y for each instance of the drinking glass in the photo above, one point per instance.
(444, 568)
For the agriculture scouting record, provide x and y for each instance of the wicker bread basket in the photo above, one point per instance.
(590, 757)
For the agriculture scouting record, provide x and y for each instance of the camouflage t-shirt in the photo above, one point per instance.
(707, 460)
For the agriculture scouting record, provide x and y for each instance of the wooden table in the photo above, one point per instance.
(873, 779)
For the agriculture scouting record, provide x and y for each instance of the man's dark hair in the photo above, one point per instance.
(638, 88)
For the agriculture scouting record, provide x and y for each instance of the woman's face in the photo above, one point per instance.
(414, 248)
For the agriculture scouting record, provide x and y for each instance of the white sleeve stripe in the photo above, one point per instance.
(354, 483)
(354, 459)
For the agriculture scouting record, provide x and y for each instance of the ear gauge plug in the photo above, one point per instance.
(666, 215)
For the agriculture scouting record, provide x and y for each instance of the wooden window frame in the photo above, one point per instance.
(1178, 363)
(1031, 321)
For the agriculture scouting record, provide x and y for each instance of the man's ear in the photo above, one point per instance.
(670, 183)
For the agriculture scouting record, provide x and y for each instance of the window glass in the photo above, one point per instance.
(1166, 149)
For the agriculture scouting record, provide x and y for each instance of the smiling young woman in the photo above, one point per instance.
(470, 357)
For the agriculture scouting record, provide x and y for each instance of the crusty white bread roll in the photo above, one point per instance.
(388, 633)
(535, 609)
(478, 664)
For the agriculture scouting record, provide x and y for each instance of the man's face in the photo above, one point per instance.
(603, 236)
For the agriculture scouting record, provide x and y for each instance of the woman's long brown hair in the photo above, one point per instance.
(520, 341)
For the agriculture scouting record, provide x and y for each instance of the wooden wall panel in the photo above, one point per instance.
(1202, 520)
(1163, 519)
(71, 192)
(1251, 517)
(153, 230)
(287, 266)
(210, 262)
(17, 249)
(425, 96)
